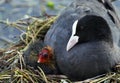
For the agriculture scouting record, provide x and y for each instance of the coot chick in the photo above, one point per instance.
(31, 56)
(46, 55)
(91, 26)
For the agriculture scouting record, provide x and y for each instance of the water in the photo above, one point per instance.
(117, 7)
(17, 9)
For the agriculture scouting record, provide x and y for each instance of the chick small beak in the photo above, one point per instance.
(72, 41)
(42, 60)
(39, 60)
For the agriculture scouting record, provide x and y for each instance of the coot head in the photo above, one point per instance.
(87, 29)
(45, 55)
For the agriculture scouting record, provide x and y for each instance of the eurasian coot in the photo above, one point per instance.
(31, 57)
(92, 27)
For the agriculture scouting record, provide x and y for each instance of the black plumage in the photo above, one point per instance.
(97, 50)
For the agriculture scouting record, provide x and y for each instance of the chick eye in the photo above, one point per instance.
(45, 55)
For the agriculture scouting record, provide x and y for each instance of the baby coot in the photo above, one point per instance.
(31, 57)
(85, 39)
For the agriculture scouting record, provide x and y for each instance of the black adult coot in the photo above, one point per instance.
(85, 39)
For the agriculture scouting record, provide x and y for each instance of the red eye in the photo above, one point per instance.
(45, 55)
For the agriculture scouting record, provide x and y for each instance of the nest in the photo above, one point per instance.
(13, 68)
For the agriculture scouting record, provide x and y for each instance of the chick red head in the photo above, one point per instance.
(46, 55)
